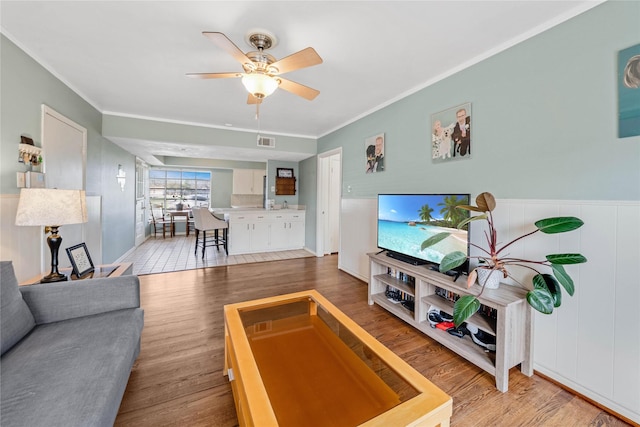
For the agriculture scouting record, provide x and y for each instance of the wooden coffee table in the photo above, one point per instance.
(297, 360)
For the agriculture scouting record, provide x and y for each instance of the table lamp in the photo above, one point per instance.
(51, 208)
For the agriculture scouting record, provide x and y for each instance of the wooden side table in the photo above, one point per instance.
(105, 270)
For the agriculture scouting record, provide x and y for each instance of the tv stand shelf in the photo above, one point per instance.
(512, 325)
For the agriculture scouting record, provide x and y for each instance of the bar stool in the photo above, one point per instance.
(205, 221)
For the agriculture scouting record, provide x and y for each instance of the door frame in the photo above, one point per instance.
(141, 214)
(322, 189)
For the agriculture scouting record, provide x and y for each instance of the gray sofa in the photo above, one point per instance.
(67, 349)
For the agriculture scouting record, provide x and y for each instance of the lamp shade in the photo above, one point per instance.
(51, 207)
(259, 85)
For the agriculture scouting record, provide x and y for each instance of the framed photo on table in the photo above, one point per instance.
(80, 259)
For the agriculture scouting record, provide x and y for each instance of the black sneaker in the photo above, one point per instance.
(434, 318)
(482, 338)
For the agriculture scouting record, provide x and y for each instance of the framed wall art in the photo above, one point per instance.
(80, 259)
(629, 92)
(451, 134)
(374, 153)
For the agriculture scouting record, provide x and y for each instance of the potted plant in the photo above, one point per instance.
(546, 293)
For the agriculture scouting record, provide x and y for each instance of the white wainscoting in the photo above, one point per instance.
(27, 247)
(592, 343)
(358, 218)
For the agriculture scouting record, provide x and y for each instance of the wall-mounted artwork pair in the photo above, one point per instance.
(374, 153)
(451, 134)
(629, 92)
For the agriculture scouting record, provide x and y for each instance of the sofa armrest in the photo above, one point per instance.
(53, 302)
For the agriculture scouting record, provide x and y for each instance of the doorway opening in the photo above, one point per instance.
(329, 202)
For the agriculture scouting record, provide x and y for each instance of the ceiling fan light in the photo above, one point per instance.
(259, 85)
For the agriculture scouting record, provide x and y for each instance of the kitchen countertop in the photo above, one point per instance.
(240, 210)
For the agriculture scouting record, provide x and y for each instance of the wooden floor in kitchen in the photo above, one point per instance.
(178, 381)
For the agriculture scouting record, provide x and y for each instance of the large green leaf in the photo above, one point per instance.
(472, 218)
(559, 224)
(486, 202)
(464, 308)
(564, 278)
(434, 239)
(566, 258)
(452, 260)
(469, 208)
(548, 282)
(541, 300)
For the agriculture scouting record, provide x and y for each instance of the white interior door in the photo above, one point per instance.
(64, 145)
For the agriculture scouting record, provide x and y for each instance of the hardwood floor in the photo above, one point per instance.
(177, 379)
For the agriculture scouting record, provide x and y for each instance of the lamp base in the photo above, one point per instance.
(54, 277)
(54, 241)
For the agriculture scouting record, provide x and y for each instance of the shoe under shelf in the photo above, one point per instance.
(483, 322)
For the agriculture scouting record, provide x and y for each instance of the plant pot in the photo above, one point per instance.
(490, 279)
(179, 206)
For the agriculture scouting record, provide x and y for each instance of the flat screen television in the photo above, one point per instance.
(407, 220)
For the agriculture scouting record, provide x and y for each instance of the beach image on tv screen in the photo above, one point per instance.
(407, 220)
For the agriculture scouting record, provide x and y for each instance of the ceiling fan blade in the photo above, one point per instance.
(214, 75)
(302, 59)
(298, 89)
(253, 100)
(224, 43)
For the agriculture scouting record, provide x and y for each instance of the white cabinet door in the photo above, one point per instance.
(296, 230)
(239, 235)
(248, 181)
(279, 231)
(260, 241)
(242, 181)
(258, 183)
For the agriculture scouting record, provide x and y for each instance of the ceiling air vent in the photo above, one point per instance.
(265, 141)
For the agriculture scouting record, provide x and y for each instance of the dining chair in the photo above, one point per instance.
(205, 222)
(159, 222)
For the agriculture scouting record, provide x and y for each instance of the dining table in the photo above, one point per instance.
(173, 214)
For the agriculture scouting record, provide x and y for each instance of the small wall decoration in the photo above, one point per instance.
(374, 153)
(80, 259)
(629, 92)
(451, 134)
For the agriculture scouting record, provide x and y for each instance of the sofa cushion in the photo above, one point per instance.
(70, 373)
(16, 319)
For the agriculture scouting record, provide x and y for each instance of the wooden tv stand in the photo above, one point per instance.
(510, 320)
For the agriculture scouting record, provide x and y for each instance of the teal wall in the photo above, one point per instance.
(544, 121)
(25, 86)
(272, 170)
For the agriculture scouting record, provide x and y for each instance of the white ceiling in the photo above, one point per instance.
(130, 57)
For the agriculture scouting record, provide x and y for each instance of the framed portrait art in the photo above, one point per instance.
(374, 153)
(629, 92)
(80, 259)
(451, 134)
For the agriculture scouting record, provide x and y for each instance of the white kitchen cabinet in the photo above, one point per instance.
(248, 181)
(265, 231)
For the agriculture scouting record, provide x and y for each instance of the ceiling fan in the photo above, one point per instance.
(262, 72)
